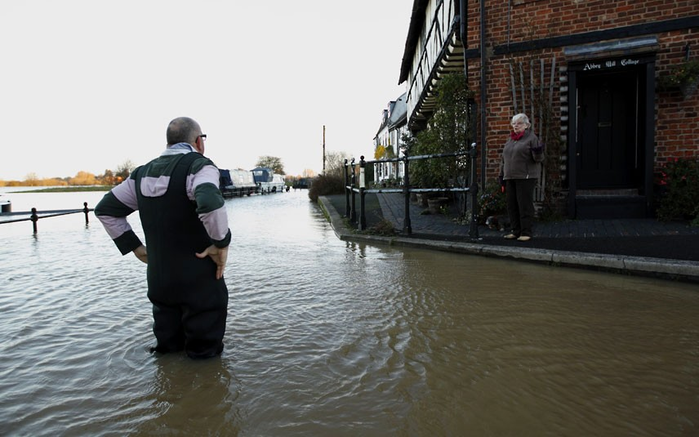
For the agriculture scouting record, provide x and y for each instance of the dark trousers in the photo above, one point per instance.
(520, 205)
(192, 317)
(200, 334)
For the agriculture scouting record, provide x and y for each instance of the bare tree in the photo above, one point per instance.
(124, 170)
(334, 162)
(271, 162)
(308, 173)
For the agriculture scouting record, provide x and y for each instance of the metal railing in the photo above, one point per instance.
(356, 184)
(35, 215)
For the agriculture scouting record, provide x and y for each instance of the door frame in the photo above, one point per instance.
(645, 65)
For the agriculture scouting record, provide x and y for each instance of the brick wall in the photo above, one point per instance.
(677, 117)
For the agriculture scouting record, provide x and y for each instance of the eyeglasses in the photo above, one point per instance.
(202, 136)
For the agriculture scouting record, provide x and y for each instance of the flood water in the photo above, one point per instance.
(329, 338)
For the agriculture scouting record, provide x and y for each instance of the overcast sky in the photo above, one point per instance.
(88, 84)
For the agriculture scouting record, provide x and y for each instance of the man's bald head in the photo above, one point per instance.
(182, 130)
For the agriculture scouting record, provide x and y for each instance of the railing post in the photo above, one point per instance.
(362, 188)
(34, 218)
(86, 210)
(407, 226)
(353, 179)
(473, 188)
(347, 191)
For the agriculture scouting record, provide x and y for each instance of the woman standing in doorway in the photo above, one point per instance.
(519, 172)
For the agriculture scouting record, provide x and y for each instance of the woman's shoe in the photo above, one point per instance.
(524, 238)
(510, 237)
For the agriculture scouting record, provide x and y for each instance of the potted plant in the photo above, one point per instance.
(683, 76)
(492, 202)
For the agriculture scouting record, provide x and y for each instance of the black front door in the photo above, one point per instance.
(607, 150)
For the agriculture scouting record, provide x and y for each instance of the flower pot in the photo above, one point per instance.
(435, 205)
(687, 89)
(422, 199)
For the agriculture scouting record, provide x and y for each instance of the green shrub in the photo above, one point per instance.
(679, 184)
(446, 132)
(383, 227)
(325, 185)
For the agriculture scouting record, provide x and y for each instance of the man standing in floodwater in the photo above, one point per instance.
(187, 236)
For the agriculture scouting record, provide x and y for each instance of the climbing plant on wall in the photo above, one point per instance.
(447, 132)
(533, 84)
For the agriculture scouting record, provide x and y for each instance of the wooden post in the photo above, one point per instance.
(86, 210)
(532, 115)
(362, 188)
(514, 90)
(35, 219)
(347, 192)
(521, 86)
(473, 188)
(353, 179)
(553, 77)
(407, 226)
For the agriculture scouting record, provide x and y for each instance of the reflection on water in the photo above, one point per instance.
(333, 338)
(176, 396)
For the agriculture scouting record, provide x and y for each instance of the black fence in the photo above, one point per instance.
(355, 183)
(34, 215)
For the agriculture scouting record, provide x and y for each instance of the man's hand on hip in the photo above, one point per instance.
(219, 255)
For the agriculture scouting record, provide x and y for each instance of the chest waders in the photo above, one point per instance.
(189, 304)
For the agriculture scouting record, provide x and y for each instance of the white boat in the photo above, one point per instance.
(268, 181)
(238, 182)
(5, 204)
(277, 184)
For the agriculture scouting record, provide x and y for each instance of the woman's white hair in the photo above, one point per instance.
(521, 117)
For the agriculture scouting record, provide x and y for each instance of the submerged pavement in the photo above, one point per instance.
(647, 247)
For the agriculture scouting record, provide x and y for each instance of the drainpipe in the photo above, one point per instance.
(463, 34)
(484, 99)
(463, 31)
(471, 203)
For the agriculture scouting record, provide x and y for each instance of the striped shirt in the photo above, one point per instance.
(201, 188)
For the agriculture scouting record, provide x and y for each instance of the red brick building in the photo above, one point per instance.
(589, 73)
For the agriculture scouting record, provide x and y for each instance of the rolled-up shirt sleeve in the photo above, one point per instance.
(112, 211)
(202, 187)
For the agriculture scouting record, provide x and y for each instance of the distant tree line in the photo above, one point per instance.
(109, 177)
(122, 172)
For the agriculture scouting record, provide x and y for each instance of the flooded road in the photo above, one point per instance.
(329, 338)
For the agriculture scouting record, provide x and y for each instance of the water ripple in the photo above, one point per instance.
(326, 337)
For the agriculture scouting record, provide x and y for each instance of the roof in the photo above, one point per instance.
(399, 112)
(417, 20)
(395, 116)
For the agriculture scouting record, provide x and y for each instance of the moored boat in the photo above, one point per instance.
(236, 183)
(267, 180)
(5, 204)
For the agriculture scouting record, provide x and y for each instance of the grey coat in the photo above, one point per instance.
(522, 159)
